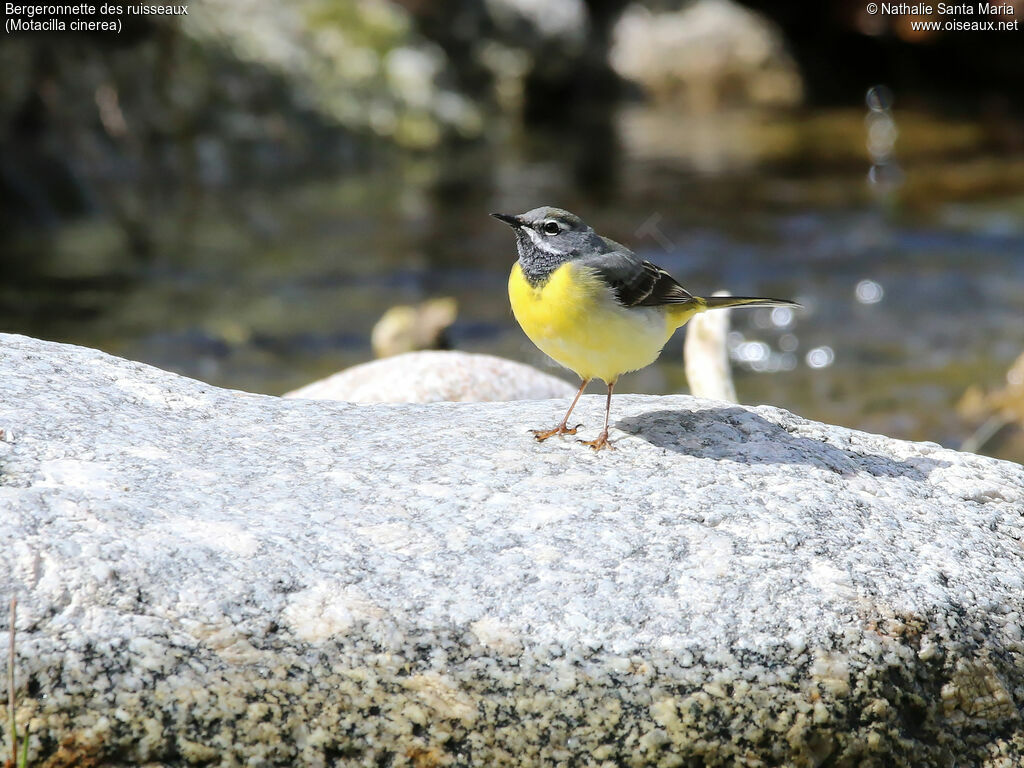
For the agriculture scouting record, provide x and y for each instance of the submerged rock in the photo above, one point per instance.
(209, 576)
(436, 376)
(414, 327)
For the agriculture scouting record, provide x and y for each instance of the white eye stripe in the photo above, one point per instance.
(539, 241)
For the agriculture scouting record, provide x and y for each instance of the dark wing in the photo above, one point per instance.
(636, 283)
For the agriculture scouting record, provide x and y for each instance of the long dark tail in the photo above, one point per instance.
(723, 302)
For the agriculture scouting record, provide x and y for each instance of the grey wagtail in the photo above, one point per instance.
(593, 305)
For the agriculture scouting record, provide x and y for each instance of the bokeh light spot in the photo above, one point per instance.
(820, 357)
(869, 292)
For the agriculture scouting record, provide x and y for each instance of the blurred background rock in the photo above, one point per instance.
(240, 194)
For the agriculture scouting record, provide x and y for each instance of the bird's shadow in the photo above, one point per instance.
(730, 433)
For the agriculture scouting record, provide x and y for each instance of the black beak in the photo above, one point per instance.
(513, 221)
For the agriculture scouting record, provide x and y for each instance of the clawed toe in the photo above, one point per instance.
(543, 434)
(601, 442)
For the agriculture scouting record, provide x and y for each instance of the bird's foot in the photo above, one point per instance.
(562, 429)
(602, 441)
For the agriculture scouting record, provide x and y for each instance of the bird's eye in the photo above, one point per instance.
(550, 228)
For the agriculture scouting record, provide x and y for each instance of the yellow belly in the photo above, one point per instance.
(574, 319)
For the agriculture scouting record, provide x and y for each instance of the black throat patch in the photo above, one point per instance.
(536, 264)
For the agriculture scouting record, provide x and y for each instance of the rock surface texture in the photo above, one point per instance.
(218, 578)
(435, 376)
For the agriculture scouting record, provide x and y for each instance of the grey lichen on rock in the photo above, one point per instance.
(360, 64)
(213, 577)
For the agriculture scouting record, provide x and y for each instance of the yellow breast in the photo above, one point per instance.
(574, 319)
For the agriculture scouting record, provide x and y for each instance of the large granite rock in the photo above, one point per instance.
(218, 578)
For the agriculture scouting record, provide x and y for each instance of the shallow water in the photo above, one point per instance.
(914, 290)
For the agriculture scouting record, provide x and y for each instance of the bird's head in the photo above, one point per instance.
(548, 237)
